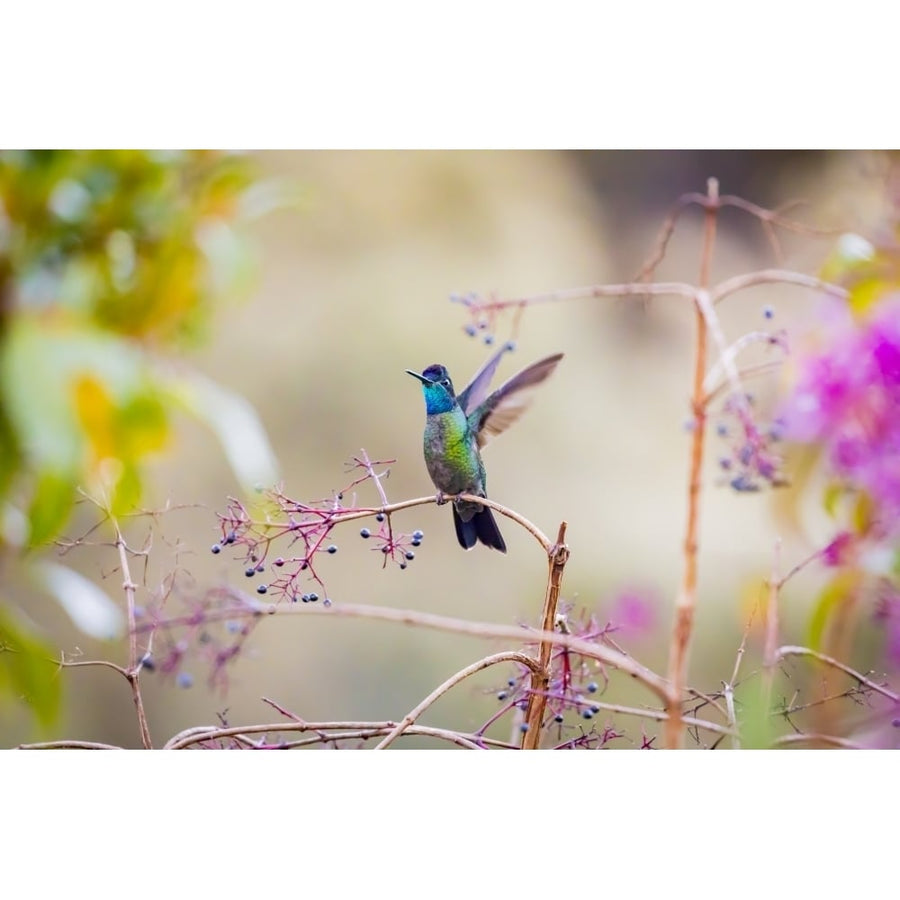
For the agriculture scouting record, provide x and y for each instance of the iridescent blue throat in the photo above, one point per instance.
(437, 400)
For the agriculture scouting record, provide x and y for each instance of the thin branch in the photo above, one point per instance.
(707, 310)
(770, 647)
(604, 654)
(68, 745)
(74, 664)
(292, 716)
(790, 650)
(799, 567)
(774, 276)
(791, 710)
(749, 372)
(540, 678)
(708, 700)
(776, 216)
(666, 232)
(687, 595)
(709, 202)
(366, 512)
(730, 354)
(728, 690)
(729, 686)
(349, 730)
(659, 715)
(452, 681)
(369, 466)
(626, 289)
(788, 739)
(134, 668)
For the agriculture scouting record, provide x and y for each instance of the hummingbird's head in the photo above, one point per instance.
(437, 387)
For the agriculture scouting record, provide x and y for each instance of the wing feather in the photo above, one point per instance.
(511, 399)
(476, 390)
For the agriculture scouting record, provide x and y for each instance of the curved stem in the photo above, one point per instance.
(348, 730)
(790, 650)
(69, 745)
(452, 681)
(527, 524)
(817, 739)
(773, 276)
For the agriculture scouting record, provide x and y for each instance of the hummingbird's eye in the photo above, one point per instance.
(446, 382)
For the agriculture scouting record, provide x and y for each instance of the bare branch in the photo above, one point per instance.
(133, 673)
(790, 650)
(68, 745)
(773, 276)
(686, 599)
(788, 739)
(343, 731)
(452, 681)
(611, 657)
(540, 678)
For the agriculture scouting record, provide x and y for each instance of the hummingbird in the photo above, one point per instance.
(458, 426)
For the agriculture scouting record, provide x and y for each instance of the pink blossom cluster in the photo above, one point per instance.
(847, 399)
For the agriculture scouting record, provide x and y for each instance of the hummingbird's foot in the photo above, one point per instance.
(440, 499)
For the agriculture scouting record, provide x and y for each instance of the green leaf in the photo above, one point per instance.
(128, 490)
(142, 425)
(9, 454)
(39, 406)
(51, 504)
(26, 669)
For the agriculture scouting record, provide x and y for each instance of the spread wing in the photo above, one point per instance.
(477, 389)
(510, 400)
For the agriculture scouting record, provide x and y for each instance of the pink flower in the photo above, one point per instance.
(634, 610)
(847, 398)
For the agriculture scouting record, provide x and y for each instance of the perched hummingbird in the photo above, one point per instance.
(457, 427)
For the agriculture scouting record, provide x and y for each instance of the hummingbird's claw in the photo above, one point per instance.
(440, 499)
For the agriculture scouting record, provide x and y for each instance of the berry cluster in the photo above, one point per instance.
(212, 632)
(575, 683)
(749, 459)
(483, 316)
(302, 532)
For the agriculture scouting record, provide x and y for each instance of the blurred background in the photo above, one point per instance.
(348, 287)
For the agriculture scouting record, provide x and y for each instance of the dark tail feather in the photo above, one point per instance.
(466, 532)
(488, 532)
(481, 527)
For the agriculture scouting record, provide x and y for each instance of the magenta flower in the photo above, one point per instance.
(634, 610)
(847, 398)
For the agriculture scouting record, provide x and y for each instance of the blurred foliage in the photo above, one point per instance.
(842, 409)
(110, 262)
(24, 669)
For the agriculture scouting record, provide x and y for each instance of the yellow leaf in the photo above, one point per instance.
(862, 513)
(754, 602)
(866, 293)
(96, 413)
(832, 496)
(838, 591)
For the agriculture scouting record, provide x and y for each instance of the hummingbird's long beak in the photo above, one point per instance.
(421, 378)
